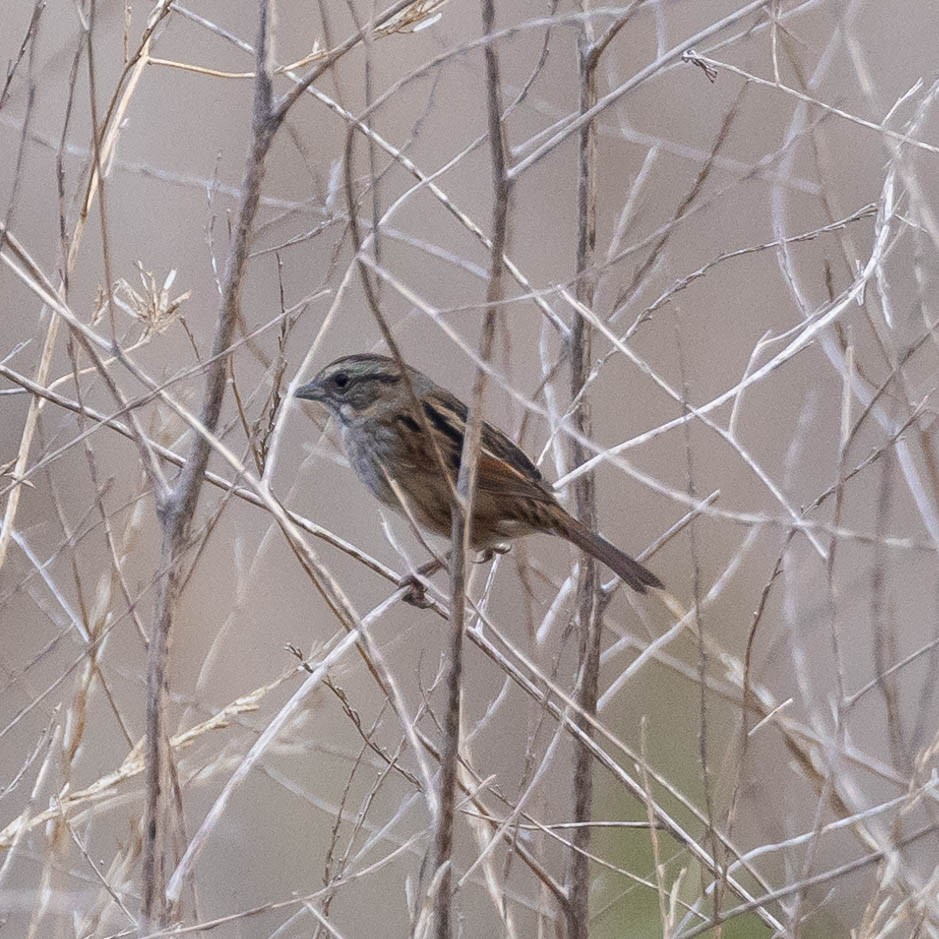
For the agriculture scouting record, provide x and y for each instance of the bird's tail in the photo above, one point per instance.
(630, 571)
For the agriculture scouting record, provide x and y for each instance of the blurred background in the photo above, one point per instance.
(763, 374)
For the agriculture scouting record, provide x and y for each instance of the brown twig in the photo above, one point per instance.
(176, 508)
(587, 620)
(461, 534)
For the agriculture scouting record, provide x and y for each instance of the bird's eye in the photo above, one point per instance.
(340, 380)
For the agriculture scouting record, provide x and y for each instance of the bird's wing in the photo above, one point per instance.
(503, 467)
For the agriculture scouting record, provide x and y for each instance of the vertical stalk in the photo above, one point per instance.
(461, 534)
(177, 507)
(578, 878)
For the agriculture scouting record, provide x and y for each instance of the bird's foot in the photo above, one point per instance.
(487, 554)
(416, 588)
(415, 593)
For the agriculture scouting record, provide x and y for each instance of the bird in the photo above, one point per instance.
(403, 435)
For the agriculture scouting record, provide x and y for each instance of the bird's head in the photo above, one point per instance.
(351, 387)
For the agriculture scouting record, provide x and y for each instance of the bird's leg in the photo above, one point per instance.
(487, 554)
(416, 591)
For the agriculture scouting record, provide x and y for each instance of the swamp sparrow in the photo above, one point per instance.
(399, 454)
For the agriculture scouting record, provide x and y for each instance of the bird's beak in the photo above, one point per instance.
(312, 391)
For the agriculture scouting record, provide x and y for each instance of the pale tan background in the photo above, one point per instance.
(859, 601)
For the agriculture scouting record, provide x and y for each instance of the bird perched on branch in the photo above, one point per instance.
(403, 435)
